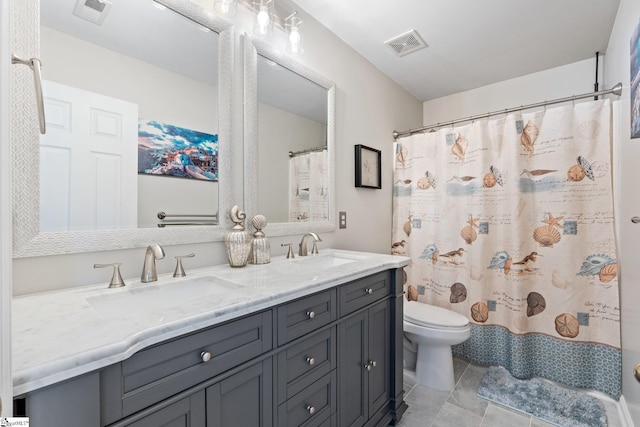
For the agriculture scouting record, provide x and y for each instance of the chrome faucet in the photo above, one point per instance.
(153, 253)
(303, 244)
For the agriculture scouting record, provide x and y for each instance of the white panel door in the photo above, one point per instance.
(88, 161)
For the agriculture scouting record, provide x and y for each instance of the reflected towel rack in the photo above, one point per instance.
(168, 224)
(163, 215)
(308, 150)
(180, 219)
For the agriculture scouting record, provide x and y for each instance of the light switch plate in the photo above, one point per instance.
(342, 219)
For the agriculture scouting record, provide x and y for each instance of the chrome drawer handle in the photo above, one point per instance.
(205, 356)
(369, 291)
(311, 360)
(311, 409)
(311, 314)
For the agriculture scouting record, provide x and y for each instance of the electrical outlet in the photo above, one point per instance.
(342, 219)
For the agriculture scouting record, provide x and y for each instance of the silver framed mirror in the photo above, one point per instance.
(273, 112)
(28, 237)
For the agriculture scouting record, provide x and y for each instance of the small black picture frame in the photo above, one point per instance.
(368, 167)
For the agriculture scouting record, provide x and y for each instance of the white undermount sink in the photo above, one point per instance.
(326, 260)
(153, 297)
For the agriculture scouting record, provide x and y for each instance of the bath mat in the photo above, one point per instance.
(543, 399)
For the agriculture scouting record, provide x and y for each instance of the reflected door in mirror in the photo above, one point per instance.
(87, 161)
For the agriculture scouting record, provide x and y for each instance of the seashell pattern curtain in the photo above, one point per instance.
(510, 222)
(308, 186)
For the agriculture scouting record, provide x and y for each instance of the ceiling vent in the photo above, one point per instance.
(406, 43)
(92, 10)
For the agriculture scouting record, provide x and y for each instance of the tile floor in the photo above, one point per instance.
(463, 408)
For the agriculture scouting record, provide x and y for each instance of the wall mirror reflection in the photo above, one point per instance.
(289, 142)
(128, 89)
(137, 101)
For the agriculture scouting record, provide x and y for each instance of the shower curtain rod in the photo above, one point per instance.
(616, 90)
(308, 150)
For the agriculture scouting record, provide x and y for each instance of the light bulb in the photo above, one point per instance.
(263, 19)
(294, 38)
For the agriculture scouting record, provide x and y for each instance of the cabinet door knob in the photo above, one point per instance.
(311, 409)
(205, 356)
(311, 314)
(371, 364)
(636, 372)
(311, 360)
(369, 291)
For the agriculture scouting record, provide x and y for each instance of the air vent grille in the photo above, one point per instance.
(96, 5)
(94, 11)
(406, 43)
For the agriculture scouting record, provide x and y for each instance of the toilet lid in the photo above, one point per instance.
(426, 314)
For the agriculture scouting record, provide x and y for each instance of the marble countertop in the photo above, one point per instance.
(62, 334)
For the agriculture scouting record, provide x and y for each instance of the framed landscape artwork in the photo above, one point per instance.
(168, 150)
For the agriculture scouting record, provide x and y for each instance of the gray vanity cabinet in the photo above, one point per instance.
(332, 358)
(365, 366)
(243, 399)
(187, 412)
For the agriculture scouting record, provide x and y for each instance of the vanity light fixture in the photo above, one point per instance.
(292, 25)
(264, 17)
(226, 7)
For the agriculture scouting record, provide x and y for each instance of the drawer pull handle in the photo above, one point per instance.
(311, 409)
(371, 364)
(311, 360)
(311, 314)
(205, 356)
(369, 291)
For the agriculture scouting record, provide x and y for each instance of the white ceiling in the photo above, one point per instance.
(139, 29)
(471, 43)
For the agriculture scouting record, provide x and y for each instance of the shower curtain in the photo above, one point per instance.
(308, 187)
(510, 223)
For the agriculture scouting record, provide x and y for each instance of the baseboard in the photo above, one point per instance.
(623, 412)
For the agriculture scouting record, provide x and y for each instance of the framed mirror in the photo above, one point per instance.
(138, 103)
(289, 142)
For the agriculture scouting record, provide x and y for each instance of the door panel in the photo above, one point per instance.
(244, 399)
(352, 381)
(379, 345)
(88, 161)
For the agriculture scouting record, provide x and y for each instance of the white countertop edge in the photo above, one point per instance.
(58, 370)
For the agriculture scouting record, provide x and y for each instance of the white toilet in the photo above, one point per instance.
(429, 333)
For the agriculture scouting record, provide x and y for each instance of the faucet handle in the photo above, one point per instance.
(290, 254)
(116, 279)
(179, 272)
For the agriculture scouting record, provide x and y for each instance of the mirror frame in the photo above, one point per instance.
(252, 48)
(28, 241)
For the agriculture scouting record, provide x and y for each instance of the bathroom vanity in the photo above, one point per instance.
(313, 341)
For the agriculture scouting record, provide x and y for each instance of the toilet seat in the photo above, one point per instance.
(433, 317)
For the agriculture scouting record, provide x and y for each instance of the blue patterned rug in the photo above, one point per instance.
(543, 399)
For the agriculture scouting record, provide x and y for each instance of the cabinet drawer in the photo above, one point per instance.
(363, 292)
(302, 316)
(305, 363)
(165, 369)
(312, 406)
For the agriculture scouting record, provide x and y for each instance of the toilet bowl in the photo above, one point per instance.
(429, 333)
